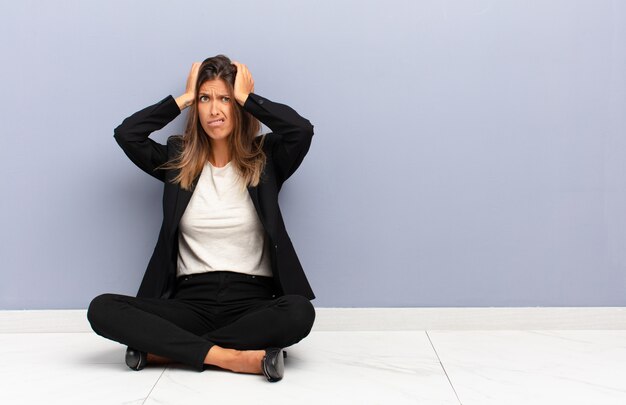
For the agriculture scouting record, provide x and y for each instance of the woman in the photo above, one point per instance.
(224, 286)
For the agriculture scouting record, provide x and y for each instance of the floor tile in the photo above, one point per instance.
(69, 368)
(535, 367)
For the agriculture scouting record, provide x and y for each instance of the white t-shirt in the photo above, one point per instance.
(220, 229)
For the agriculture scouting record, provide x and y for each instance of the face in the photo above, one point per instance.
(215, 109)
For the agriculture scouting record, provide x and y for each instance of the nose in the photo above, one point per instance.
(213, 108)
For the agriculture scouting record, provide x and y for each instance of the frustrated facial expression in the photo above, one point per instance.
(215, 109)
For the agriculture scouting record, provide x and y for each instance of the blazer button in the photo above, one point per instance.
(275, 246)
(261, 101)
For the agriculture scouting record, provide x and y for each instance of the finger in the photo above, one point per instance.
(243, 67)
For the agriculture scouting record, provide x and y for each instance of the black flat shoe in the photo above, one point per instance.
(273, 364)
(136, 359)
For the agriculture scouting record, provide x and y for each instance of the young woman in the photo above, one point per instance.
(224, 285)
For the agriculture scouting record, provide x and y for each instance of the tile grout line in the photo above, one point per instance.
(155, 383)
(443, 368)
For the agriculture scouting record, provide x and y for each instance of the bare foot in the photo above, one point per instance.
(248, 361)
(239, 361)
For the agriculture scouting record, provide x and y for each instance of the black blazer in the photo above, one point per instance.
(285, 148)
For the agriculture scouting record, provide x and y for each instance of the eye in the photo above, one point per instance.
(225, 99)
(201, 98)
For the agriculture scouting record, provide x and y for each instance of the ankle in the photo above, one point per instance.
(241, 361)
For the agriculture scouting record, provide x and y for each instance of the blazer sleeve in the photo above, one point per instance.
(291, 136)
(133, 135)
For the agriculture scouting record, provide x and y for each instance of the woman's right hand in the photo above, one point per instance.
(189, 96)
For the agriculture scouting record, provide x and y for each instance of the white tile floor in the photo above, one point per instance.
(428, 367)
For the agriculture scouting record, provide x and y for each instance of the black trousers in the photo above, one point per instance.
(229, 309)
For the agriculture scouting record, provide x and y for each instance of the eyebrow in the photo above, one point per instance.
(207, 94)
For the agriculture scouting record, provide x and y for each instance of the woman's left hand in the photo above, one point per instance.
(244, 84)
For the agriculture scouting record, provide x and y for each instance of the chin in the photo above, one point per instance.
(217, 137)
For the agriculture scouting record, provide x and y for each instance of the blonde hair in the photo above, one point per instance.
(248, 157)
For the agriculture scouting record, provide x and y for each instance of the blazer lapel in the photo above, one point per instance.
(254, 195)
(253, 191)
(180, 204)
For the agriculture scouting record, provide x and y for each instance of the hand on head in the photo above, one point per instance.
(192, 78)
(244, 83)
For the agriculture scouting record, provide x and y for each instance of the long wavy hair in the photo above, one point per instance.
(245, 146)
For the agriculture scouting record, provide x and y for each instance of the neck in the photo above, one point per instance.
(220, 153)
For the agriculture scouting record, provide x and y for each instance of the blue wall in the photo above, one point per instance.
(466, 153)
